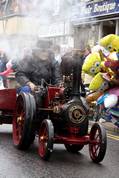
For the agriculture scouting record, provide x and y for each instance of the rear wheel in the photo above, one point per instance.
(46, 135)
(98, 143)
(23, 132)
(73, 148)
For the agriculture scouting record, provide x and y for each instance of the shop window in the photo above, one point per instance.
(2, 7)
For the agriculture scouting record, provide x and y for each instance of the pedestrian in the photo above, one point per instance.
(87, 51)
(67, 67)
(3, 62)
(57, 51)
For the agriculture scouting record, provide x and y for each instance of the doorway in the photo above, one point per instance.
(108, 27)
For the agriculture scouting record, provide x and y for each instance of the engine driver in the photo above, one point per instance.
(40, 65)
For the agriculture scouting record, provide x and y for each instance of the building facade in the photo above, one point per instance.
(93, 19)
(37, 19)
(66, 22)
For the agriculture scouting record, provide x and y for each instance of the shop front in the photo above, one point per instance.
(93, 20)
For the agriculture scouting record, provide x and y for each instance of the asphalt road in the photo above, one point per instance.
(19, 164)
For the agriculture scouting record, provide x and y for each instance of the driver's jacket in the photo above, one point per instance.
(34, 69)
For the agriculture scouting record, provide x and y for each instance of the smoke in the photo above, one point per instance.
(34, 15)
(34, 9)
(4, 44)
(36, 19)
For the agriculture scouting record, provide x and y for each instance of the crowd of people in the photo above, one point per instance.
(45, 61)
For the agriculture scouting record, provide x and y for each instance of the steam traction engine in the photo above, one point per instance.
(57, 115)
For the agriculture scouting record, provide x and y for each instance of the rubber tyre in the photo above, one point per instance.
(23, 131)
(98, 143)
(46, 135)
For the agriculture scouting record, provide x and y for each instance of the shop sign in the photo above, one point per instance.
(95, 9)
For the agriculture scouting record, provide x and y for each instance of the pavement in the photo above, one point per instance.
(108, 126)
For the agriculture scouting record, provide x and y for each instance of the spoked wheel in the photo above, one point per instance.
(73, 148)
(23, 133)
(99, 112)
(98, 143)
(46, 135)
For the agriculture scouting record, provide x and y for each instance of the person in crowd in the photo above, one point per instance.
(3, 62)
(40, 65)
(87, 51)
(57, 52)
(67, 66)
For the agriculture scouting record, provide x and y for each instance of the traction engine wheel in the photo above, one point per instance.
(23, 133)
(98, 143)
(73, 148)
(46, 135)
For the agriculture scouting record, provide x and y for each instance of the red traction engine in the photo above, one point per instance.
(7, 105)
(7, 101)
(57, 116)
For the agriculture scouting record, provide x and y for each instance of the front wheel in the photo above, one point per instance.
(73, 148)
(98, 143)
(46, 135)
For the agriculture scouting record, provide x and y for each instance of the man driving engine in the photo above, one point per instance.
(41, 64)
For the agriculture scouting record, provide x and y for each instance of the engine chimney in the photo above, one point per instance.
(77, 68)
